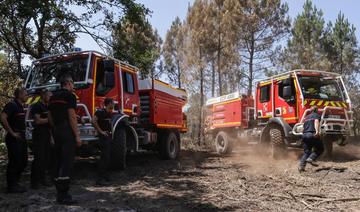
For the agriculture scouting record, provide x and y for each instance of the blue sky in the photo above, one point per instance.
(165, 11)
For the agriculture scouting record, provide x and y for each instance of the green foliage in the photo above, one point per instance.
(136, 42)
(341, 47)
(305, 49)
(173, 52)
(37, 27)
(8, 81)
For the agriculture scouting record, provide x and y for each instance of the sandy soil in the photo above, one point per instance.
(202, 181)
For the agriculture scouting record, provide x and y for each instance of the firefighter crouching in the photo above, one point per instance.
(102, 124)
(313, 146)
(41, 137)
(13, 120)
(62, 118)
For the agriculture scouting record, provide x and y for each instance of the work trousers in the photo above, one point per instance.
(105, 154)
(65, 145)
(17, 158)
(42, 150)
(313, 148)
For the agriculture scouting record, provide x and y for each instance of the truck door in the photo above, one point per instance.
(131, 94)
(285, 100)
(264, 100)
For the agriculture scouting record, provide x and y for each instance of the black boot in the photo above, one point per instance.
(63, 197)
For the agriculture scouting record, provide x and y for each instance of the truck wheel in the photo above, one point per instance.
(169, 146)
(223, 144)
(328, 148)
(276, 143)
(118, 149)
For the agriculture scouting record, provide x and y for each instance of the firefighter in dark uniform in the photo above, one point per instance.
(13, 120)
(63, 120)
(102, 124)
(41, 138)
(313, 146)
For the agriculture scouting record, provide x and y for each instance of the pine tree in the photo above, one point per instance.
(341, 47)
(173, 52)
(265, 23)
(305, 48)
(138, 44)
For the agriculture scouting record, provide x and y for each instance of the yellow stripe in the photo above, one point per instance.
(169, 86)
(344, 104)
(296, 92)
(312, 102)
(282, 78)
(77, 97)
(264, 117)
(338, 104)
(29, 100)
(36, 100)
(320, 103)
(234, 100)
(326, 103)
(168, 125)
(333, 104)
(265, 83)
(305, 102)
(94, 85)
(291, 118)
(295, 85)
(128, 110)
(127, 69)
(227, 123)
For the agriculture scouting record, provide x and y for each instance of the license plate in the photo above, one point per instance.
(334, 116)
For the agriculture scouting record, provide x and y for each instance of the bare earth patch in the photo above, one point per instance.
(202, 181)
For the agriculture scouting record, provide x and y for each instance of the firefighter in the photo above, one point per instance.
(102, 124)
(313, 146)
(42, 140)
(62, 118)
(13, 120)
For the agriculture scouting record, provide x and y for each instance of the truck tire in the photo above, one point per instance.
(119, 150)
(223, 144)
(276, 143)
(169, 146)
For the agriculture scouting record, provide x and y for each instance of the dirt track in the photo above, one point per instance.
(202, 181)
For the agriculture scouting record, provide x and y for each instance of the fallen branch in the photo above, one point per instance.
(339, 200)
(313, 195)
(306, 204)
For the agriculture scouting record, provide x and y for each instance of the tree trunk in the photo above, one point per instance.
(219, 65)
(213, 77)
(251, 60)
(18, 61)
(179, 73)
(201, 99)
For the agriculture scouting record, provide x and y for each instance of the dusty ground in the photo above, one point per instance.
(202, 181)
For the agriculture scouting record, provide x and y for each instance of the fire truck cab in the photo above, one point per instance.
(277, 114)
(148, 113)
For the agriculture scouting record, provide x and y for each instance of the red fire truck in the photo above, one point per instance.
(276, 115)
(148, 113)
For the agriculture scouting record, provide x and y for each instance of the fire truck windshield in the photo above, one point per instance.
(48, 73)
(322, 88)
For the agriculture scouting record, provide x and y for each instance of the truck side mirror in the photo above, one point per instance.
(109, 65)
(287, 92)
(109, 79)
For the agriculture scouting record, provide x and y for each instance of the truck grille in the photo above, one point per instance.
(337, 127)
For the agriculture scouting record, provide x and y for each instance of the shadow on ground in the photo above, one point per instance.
(148, 184)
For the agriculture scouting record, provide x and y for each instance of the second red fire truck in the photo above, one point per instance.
(275, 116)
